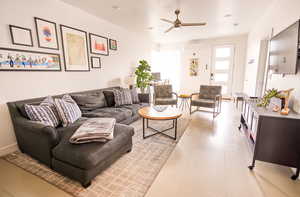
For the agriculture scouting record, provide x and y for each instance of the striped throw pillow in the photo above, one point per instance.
(122, 97)
(67, 109)
(44, 113)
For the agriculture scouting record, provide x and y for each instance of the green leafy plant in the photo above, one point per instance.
(143, 75)
(267, 97)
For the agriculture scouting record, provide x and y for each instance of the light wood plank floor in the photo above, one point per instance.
(210, 160)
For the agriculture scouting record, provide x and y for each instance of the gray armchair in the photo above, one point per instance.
(163, 95)
(208, 97)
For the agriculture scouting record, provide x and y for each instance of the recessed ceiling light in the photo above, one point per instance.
(115, 7)
(150, 28)
(227, 15)
(235, 24)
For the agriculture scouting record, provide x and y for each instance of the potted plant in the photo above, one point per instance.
(143, 75)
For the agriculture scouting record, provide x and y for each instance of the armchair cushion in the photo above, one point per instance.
(163, 91)
(203, 103)
(209, 92)
(165, 101)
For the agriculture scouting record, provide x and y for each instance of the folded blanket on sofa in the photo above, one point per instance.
(94, 130)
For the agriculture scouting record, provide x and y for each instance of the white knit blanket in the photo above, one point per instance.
(94, 130)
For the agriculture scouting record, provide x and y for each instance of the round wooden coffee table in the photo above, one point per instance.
(170, 113)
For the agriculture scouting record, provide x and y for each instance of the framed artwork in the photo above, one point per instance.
(46, 33)
(98, 44)
(194, 67)
(20, 36)
(74, 44)
(113, 44)
(22, 60)
(96, 62)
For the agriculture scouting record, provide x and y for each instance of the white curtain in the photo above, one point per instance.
(168, 64)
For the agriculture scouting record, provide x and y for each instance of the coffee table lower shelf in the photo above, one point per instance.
(146, 126)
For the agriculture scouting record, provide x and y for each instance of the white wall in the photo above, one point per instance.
(279, 16)
(203, 50)
(22, 85)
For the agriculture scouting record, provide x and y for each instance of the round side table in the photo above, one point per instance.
(185, 101)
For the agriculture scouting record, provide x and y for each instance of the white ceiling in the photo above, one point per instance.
(139, 15)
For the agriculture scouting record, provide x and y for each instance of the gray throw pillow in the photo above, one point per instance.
(89, 102)
(122, 97)
(134, 96)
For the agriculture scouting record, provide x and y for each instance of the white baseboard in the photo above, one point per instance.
(8, 149)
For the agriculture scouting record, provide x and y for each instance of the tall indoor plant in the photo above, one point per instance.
(143, 75)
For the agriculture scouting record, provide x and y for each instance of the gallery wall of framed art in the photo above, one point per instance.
(98, 44)
(46, 33)
(24, 60)
(21, 36)
(75, 49)
(96, 62)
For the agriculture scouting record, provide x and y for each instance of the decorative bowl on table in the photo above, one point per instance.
(160, 108)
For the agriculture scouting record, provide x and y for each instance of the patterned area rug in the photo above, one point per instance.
(130, 176)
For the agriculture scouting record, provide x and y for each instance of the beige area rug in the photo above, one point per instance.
(130, 176)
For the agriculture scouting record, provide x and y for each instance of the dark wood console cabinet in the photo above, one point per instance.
(273, 137)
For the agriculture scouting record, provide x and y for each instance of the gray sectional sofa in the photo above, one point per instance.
(51, 145)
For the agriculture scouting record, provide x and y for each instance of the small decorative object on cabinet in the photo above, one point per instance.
(46, 33)
(98, 44)
(22, 60)
(113, 44)
(76, 57)
(96, 62)
(272, 137)
(21, 36)
(285, 94)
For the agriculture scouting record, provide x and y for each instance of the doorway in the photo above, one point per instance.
(222, 68)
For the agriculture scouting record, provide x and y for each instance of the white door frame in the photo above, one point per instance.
(231, 69)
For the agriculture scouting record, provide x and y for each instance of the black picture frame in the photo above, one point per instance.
(64, 52)
(37, 52)
(99, 59)
(37, 33)
(13, 38)
(110, 45)
(103, 37)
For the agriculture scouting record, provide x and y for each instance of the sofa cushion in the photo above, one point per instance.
(110, 98)
(87, 102)
(119, 114)
(87, 156)
(135, 107)
(68, 110)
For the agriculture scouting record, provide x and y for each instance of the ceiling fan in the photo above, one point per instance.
(177, 23)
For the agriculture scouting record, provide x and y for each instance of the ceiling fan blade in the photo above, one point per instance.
(193, 24)
(166, 20)
(169, 29)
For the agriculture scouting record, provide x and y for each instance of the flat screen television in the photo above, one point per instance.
(284, 51)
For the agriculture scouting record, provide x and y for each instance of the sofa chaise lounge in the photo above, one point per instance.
(51, 145)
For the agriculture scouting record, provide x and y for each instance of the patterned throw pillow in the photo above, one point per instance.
(134, 96)
(68, 110)
(45, 112)
(122, 97)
